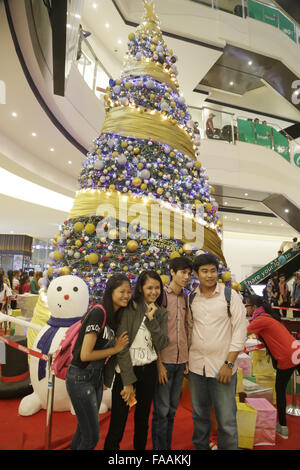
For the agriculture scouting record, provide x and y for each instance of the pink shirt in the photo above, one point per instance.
(213, 333)
(177, 350)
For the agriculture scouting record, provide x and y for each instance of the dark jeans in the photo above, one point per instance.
(85, 388)
(165, 404)
(282, 378)
(296, 313)
(207, 392)
(145, 387)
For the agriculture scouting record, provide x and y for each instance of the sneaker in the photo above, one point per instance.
(283, 431)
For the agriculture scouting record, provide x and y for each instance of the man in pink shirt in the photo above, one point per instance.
(172, 360)
(216, 336)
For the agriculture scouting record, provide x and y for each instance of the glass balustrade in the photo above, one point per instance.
(266, 11)
(213, 124)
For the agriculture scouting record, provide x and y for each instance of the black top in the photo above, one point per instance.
(92, 323)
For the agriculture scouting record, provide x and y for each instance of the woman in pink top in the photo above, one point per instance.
(281, 345)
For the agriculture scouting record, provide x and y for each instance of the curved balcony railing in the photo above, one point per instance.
(225, 126)
(262, 10)
(90, 67)
(231, 128)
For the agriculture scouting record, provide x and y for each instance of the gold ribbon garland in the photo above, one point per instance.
(156, 71)
(149, 215)
(127, 121)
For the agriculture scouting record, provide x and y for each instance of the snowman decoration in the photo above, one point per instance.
(68, 300)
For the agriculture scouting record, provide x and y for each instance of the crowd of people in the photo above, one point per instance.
(18, 282)
(154, 336)
(278, 293)
(157, 336)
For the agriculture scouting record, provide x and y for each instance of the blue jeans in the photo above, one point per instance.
(165, 404)
(85, 388)
(207, 392)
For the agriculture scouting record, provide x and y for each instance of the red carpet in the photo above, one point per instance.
(28, 433)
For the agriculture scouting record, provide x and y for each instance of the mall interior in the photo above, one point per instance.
(77, 84)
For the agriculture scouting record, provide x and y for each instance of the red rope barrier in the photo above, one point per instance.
(29, 351)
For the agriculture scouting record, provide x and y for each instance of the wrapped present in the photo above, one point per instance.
(268, 381)
(244, 361)
(265, 431)
(261, 363)
(16, 312)
(239, 384)
(26, 302)
(256, 390)
(246, 423)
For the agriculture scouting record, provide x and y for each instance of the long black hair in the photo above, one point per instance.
(138, 291)
(261, 302)
(23, 279)
(115, 281)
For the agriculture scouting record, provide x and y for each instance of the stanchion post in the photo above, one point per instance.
(50, 399)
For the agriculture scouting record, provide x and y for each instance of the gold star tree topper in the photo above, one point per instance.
(150, 14)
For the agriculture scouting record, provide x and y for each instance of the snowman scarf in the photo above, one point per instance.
(45, 341)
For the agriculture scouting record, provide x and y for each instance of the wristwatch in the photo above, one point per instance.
(229, 364)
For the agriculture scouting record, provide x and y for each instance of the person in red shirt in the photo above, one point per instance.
(281, 345)
(24, 284)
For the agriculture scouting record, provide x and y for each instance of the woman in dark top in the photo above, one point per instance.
(95, 342)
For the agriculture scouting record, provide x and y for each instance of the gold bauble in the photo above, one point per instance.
(78, 227)
(136, 181)
(65, 270)
(165, 279)
(197, 165)
(132, 245)
(58, 255)
(78, 243)
(50, 272)
(175, 254)
(90, 228)
(226, 276)
(187, 248)
(93, 258)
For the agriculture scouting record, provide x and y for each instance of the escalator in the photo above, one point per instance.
(291, 264)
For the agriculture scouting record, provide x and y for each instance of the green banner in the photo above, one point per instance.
(265, 272)
(287, 26)
(271, 16)
(255, 10)
(281, 145)
(246, 131)
(263, 135)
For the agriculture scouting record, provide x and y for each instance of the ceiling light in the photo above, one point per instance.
(14, 114)
(119, 41)
(271, 223)
(231, 83)
(286, 210)
(246, 194)
(77, 16)
(237, 219)
(33, 134)
(259, 222)
(107, 25)
(68, 26)
(225, 203)
(52, 149)
(250, 62)
(70, 162)
(94, 5)
(225, 216)
(249, 220)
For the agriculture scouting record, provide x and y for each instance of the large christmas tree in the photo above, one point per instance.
(143, 195)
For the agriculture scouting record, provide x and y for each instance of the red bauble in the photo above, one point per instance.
(98, 246)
